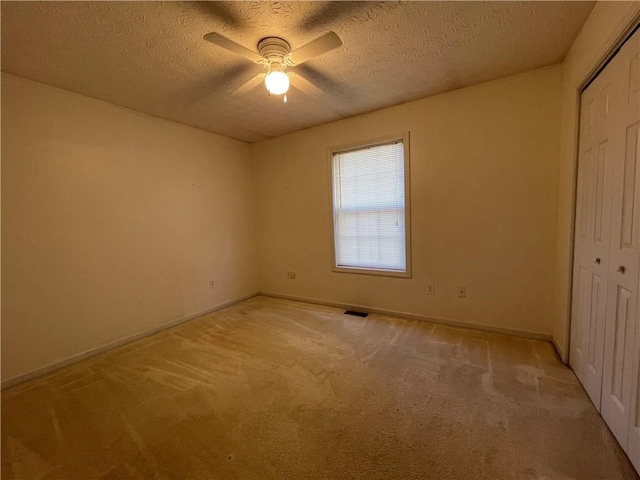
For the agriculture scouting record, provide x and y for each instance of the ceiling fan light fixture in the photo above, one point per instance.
(275, 54)
(277, 82)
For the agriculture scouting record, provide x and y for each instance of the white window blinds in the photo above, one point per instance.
(369, 207)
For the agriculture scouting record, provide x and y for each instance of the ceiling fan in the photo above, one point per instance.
(276, 56)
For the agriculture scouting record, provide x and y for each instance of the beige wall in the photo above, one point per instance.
(484, 173)
(607, 22)
(113, 223)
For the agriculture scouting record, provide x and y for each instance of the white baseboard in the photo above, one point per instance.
(118, 343)
(413, 316)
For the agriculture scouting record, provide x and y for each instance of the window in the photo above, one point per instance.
(371, 207)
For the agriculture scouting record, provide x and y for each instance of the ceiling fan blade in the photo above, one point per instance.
(316, 47)
(249, 85)
(232, 46)
(304, 85)
(226, 13)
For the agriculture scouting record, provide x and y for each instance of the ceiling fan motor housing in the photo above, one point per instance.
(274, 50)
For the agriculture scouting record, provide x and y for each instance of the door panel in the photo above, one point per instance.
(592, 240)
(600, 234)
(633, 436)
(619, 406)
(630, 226)
(595, 312)
(621, 324)
(583, 202)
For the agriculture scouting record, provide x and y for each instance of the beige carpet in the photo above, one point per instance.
(273, 389)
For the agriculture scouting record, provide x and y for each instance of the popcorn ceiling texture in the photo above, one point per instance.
(150, 56)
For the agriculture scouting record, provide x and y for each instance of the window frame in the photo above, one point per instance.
(404, 138)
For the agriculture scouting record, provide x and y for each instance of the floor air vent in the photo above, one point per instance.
(356, 314)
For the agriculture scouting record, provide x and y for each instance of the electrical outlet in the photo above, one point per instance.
(212, 284)
(462, 292)
(291, 275)
(431, 289)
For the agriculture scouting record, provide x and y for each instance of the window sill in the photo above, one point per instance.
(373, 271)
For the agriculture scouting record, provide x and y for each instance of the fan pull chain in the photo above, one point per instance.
(285, 98)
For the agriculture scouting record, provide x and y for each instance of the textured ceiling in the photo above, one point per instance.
(150, 56)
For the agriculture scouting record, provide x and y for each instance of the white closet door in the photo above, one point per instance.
(633, 441)
(620, 372)
(632, 154)
(592, 236)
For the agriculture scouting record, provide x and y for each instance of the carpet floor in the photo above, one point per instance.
(275, 389)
